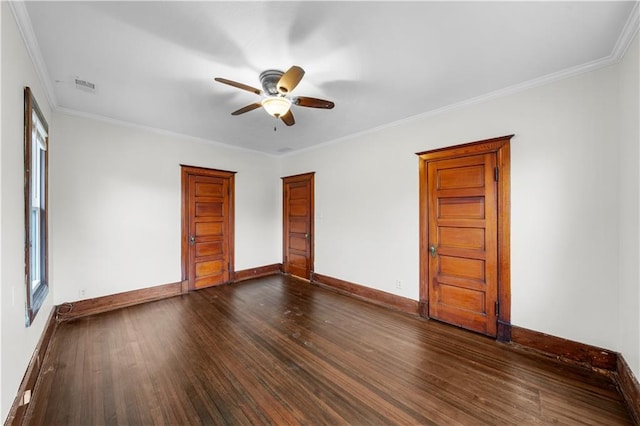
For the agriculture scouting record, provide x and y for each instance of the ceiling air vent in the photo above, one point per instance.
(85, 85)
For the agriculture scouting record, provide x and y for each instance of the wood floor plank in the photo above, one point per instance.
(277, 350)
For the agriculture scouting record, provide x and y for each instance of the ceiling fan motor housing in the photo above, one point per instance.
(269, 80)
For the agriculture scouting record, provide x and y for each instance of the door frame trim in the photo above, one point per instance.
(285, 226)
(185, 172)
(501, 147)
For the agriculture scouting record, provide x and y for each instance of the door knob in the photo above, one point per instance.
(432, 249)
(192, 240)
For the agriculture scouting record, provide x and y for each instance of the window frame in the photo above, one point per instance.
(36, 187)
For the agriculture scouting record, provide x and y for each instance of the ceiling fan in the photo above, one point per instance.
(276, 89)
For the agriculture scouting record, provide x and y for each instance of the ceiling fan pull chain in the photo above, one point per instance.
(276, 123)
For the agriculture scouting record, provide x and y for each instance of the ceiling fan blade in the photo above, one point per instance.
(238, 85)
(313, 102)
(247, 108)
(288, 118)
(290, 79)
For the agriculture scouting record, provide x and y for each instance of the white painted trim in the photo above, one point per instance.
(627, 34)
(122, 123)
(19, 10)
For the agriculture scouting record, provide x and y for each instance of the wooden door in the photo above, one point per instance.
(207, 235)
(297, 196)
(462, 250)
(463, 253)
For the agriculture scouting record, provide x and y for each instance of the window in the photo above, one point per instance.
(36, 183)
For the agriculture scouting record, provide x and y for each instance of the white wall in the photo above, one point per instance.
(564, 202)
(629, 211)
(17, 341)
(115, 205)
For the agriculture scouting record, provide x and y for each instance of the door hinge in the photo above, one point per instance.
(497, 308)
(496, 173)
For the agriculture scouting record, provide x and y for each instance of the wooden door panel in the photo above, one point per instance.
(208, 229)
(472, 301)
(208, 226)
(461, 177)
(472, 321)
(462, 229)
(209, 248)
(297, 196)
(462, 267)
(298, 208)
(297, 243)
(299, 226)
(467, 207)
(211, 209)
(213, 188)
(208, 280)
(298, 264)
(299, 192)
(461, 238)
(212, 267)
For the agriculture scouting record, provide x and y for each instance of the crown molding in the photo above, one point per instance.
(19, 10)
(627, 34)
(156, 130)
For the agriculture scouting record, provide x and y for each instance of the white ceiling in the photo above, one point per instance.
(153, 62)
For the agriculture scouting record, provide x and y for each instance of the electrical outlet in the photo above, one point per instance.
(399, 284)
(82, 292)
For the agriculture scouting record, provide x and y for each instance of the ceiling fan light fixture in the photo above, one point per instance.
(276, 106)
(276, 85)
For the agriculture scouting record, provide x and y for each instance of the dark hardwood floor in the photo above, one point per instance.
(281, 351)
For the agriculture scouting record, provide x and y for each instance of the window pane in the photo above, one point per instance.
(34, 245)
(41, 175)
(35, 206)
